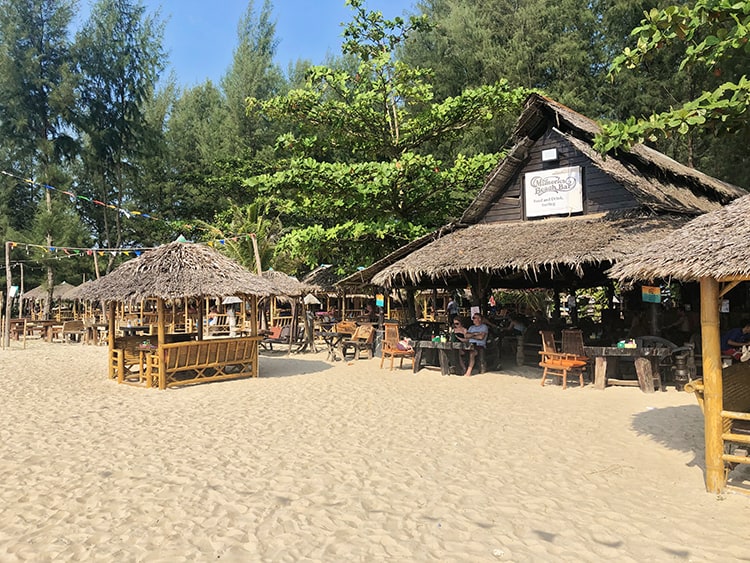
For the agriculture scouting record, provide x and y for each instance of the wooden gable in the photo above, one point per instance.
(601, 193)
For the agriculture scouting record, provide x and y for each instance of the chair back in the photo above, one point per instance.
(366, 333)
(572, 342)
(391, 335)
(346, 327)
(548, 341)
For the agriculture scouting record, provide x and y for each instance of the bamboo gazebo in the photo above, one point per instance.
(176, 271)
(709, 250)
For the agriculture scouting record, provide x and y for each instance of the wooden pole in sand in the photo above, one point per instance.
(712, 385)
(161, 337)
(8, 300)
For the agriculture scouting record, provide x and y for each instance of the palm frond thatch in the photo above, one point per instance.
(286, 285)
(175, 271)
(324, 277)
(60, 291)
(711, 245)
(527, 247)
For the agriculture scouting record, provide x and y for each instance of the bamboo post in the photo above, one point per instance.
(713, 392)
(161, 334)
(111, 338)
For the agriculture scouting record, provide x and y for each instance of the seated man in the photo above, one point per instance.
(476, 334)
(734, 339)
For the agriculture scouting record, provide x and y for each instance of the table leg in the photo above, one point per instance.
(600, 372)
(643, 368)
(444, 365)
(417, 364)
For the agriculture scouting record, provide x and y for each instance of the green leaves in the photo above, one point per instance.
(724, 27)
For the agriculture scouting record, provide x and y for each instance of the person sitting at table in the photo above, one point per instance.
(213, 316)
(734, 339)
(476, 334)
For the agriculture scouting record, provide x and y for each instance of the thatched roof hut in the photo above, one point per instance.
(285, 285)
(707, 246)
(511, 236)
(707, 249)
(174, 271)
(324, 277)
(62, 290)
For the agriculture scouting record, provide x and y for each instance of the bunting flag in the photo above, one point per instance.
(129, 213)
(73, 197)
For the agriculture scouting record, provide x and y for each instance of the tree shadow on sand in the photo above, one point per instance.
(678, 428)
(284, 365)
(681, 428)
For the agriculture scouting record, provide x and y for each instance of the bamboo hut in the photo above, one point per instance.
(176, 271)
(705, 250)
(553, 213)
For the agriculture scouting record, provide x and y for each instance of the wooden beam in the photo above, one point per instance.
(729, 286)
(712, 381)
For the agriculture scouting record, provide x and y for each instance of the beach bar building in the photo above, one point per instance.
(709, 250)
(172, 272)
(554, 213)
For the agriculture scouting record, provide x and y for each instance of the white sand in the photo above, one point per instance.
(334, 462)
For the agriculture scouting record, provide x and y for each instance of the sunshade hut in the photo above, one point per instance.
(174, 271)
(554, 212)
(704, 250)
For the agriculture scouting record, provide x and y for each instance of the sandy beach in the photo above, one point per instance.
(319, 461)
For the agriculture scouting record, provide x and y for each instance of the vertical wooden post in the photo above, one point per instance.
(8, 300)
(713, 392)
(161, 337)
(111, 339)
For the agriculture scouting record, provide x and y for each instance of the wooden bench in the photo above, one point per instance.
(735, 413)
(202, 361)
(73, 331)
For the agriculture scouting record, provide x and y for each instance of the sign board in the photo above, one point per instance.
(380, 300)
(13, 291)
(553, 192)
(651, 294)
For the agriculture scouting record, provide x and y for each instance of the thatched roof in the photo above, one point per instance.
(364, 276)
(711, 245)
(286, 285)
(175, 271)
(324, 277)
(60, 291)
(658, 182)
(521, 251)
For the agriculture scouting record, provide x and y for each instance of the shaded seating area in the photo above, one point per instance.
(179, 271)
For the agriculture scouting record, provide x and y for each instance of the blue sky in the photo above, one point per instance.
(201, 35)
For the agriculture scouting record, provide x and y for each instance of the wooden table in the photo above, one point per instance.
(646, 360)
(333, 342)
(443, 348)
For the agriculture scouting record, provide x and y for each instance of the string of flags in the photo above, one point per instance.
(129, 213)
(68, 252)
(73, 197)
(71, 251)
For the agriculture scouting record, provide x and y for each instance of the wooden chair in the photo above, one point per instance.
(361, 341)
(558, 363)
(390, 347)
(572, 344)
